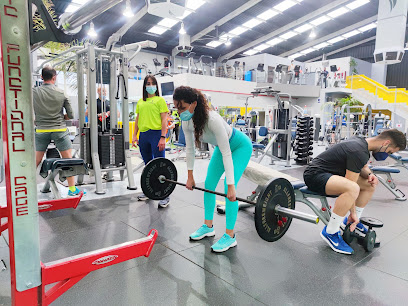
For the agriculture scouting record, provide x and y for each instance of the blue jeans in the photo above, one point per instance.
(148, 145)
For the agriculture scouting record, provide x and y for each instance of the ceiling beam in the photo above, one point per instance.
(344, 48)
(225, 19)
(330, 36)
(286, 28)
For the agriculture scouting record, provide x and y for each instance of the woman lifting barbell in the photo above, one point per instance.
(231, 155)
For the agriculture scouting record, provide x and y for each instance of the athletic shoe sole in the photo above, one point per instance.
(333, 248)
(225, 249)
(164, 205)
(142, 198)
(209, 234)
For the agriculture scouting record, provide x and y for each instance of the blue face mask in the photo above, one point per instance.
(186, 115)
(379, 156)
(151, 89)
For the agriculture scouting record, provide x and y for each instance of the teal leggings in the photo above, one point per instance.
(241, 149)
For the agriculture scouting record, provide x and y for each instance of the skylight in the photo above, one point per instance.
(321, 46)
(167, 22)
(368, 27)
(214, 43)
(194, 4)
(320, 20)
(267, 14)
(71, 8)
(157, 30)
(338, 12)
(238, 31)
(336, 39)
(262, 47)
(296, 55)
(350, 34)
(288, 35)
(283, 6)
(307, 51)
(356, 4)
(250, 52)
(274, 41)
(186, 13)
(303, 28)
(80, 2)
(252, 23)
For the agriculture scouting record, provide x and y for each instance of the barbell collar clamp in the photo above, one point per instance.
(162, 179)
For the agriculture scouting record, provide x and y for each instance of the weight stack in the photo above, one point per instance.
(86, 146)
(304, 140)
(111, 149)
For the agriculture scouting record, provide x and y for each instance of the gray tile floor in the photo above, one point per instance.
(299, 269)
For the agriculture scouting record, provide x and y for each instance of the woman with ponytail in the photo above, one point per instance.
(233, 149)
(151, 121)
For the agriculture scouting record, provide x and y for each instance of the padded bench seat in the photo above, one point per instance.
(298, 185)
(385, 169)
(308, 191)
(50, 164)
(258, 146)
(399, 157)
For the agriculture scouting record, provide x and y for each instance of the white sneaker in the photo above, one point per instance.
(142, 197)
(164, 203)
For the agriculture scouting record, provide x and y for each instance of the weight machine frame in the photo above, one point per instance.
(29, 276)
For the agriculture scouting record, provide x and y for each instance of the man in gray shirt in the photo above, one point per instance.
(49, 102)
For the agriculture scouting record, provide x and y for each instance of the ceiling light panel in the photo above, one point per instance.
(283, 6)
(267, 14)
(214, 43)
(338, 12)
(321, 46)
(262, 47)
(288, 35)
(194, 4)
(252, 23)
(303, 28)
(352, 33)
(335, 40)
(80, 2)
(250, 52)
(238, 31)
(274, 41)
(355, 4)
(367, 27)
(320, 20)
(186, 13)
(167, 22)
(157, 30)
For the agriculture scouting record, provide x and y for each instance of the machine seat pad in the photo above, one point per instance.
(50, 164)
(308, 191)
(385, 169)
(298, 185)
(396, 156)
(258, 146)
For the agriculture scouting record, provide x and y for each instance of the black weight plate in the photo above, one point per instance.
(278, 191)
(369, 241)
(151, 186)
(347, 235)
(371, 222)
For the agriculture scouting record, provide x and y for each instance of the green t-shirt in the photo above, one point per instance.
(149, 113)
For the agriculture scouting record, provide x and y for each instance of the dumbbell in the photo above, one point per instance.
(367, 240)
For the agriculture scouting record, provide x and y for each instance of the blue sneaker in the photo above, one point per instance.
(203, 231)
(359, 226)
(224, 244)
(336, 242)
(75, 193)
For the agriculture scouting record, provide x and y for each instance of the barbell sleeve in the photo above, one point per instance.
(296, 214)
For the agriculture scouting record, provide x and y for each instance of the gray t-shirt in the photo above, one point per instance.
(49, 102)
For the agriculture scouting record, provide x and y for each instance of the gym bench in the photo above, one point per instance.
(389, 182)
(65, 167)
(261, 175)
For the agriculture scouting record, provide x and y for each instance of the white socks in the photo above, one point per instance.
(334, 223)
(359, 211)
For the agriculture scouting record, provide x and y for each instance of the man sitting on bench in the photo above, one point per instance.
(342, 171)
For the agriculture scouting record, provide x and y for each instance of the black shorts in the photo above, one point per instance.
(317, 181)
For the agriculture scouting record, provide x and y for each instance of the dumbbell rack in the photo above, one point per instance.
(304, 140)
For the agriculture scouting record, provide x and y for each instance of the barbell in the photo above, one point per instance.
(274, 208)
